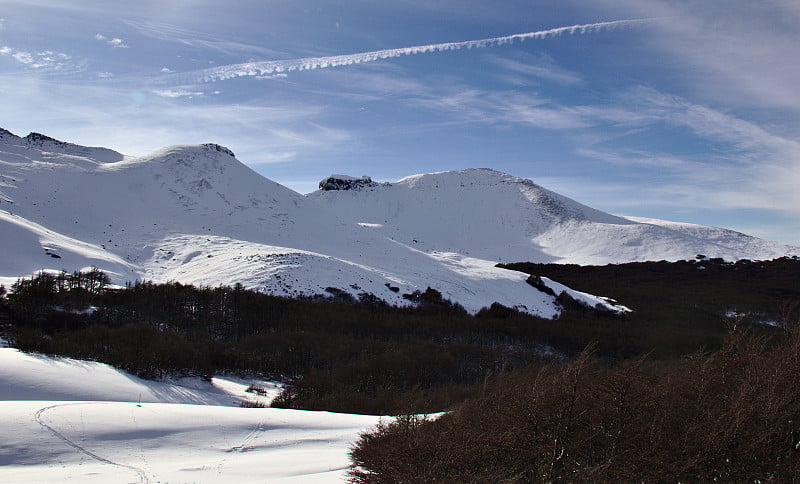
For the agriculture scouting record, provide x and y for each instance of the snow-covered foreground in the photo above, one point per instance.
(71, 421)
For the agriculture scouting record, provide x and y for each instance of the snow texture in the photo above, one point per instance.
(67, 420)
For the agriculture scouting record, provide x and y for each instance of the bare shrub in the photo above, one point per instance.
(252, 404)
(731, 416)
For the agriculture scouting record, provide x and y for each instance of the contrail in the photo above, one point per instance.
(278, 67)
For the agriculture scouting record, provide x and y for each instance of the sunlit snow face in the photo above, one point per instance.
(688, 115)
(66, 417)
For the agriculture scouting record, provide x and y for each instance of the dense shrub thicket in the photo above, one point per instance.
(338, 355)
(362, 356)
(731, 416)
(687, 294)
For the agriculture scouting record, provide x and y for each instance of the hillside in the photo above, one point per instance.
(491, 215)
(197, 215)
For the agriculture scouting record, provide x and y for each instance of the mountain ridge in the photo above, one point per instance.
(520, 220)
(196, 214)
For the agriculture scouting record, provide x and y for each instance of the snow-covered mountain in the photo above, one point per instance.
(196, 214)
(491, 215)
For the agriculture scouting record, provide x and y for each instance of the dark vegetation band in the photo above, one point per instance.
(362, 356)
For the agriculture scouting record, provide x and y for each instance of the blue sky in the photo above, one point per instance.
(691, 115)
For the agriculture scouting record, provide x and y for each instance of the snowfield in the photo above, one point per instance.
(66, 420)
(490, 215)
(195, 214)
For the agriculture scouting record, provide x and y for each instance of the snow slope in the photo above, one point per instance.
(491, 215)
(72, 421)
(35, 377)
(195, 214)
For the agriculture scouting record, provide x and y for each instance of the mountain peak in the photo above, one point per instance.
(200, 160)
(4, 133)
(43, 143)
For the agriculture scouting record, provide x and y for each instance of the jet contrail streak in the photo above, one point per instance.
(277, 67)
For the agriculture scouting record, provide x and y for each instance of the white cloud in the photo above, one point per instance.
(115, 42)
(37, 60)
(23, 57)
(176, 93)
(273, 76)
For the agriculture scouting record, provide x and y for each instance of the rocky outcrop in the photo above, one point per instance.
(39, 139)
(4, 133)
(344, 182)
(220, 148)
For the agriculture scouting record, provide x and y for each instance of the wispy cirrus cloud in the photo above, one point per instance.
(527, 67)
(268, 68)
(523, 108)
(750, 166)
(738, 141)
(627, 157)
(709, 122)
(170, 32)
(736, 52)
(374, 83)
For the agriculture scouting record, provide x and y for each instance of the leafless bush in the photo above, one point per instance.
(731, 416)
